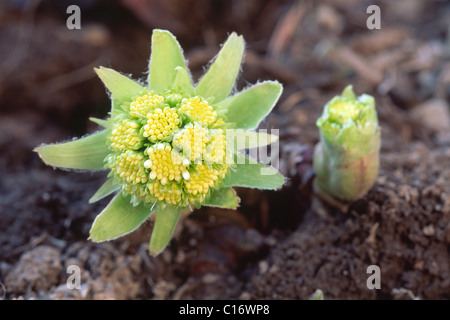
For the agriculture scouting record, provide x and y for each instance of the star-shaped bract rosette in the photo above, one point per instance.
(170, 145)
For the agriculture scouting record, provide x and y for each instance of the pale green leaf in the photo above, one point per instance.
(165, 58)
(317, 295)
(165, 223)
(247, 108)
(109, 187)
(116, 107)
(85, 153)
(348, 93)
(222, 198)
(251, 174)
(183, 82)
(239, 139)
(118, 219)
(219, 80)
(100, 122)
(121, 87)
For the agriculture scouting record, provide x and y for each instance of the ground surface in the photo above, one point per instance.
(278, 245)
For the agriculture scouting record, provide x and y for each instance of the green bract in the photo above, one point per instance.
(346, 159)
(170, 145)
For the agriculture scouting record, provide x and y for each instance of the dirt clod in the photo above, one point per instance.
(37, 269)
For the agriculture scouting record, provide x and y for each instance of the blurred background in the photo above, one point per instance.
(48, 90)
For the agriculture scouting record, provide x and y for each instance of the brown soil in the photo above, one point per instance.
(278, 245)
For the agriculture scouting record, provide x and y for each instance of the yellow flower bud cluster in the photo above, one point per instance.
(215, 151)
(199, 110)
(141, 106)
(166, 164)
(128, 165)
(170, 193)
(125, 135)
(168, 148)
(161, 123)
(219, 123)
(138, 192)
(192, 141)
(202, 180)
